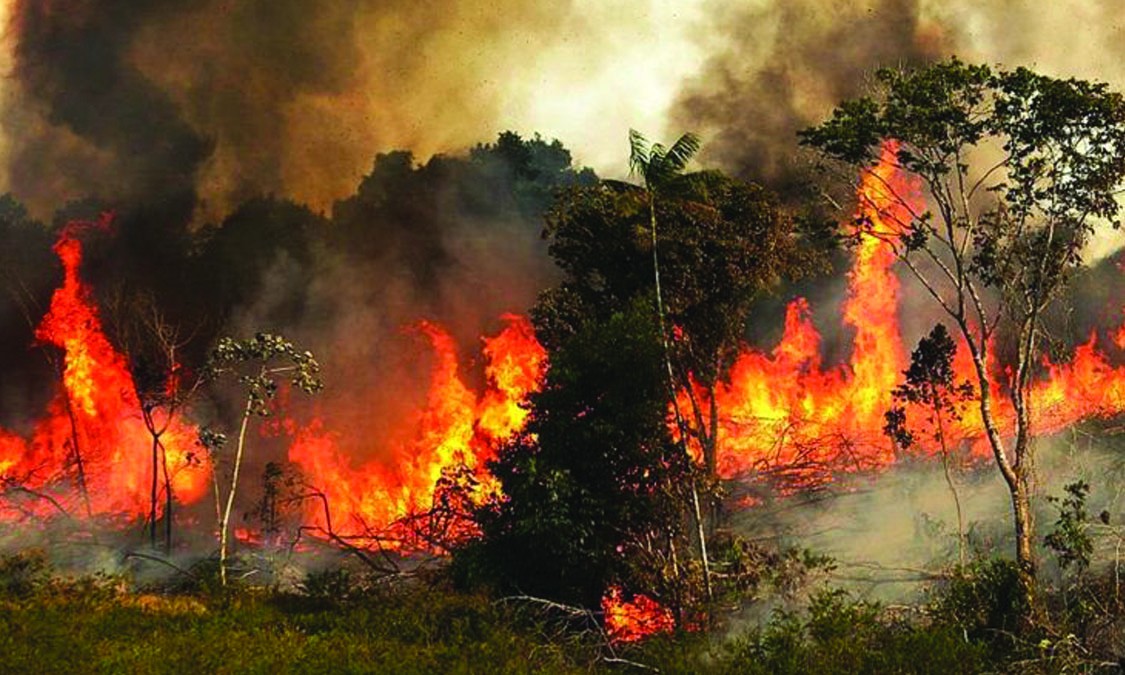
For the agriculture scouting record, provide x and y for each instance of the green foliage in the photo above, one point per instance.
(23, 573)
(1004, 234)
(1061, 149)
(335, 584)
(91, 627)
(929, 383)
(412, 206)
(657, 165)
(749, 570)
(270, 355)
(1069, 539)
(839, 634)
(721, 242)
(590, 474)
(986, 601)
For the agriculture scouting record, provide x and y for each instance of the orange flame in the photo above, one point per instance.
(455, 429)
(636, 619)
(784, 411)
(94, 424)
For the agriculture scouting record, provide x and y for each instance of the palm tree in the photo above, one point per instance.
(661, 170)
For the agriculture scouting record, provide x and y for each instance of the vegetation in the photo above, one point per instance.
(1019, 166)
(612, 484)
(660, 279)
(258, 363)
(930, 382)
(594, 479)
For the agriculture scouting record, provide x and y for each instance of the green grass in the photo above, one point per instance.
(343, 624)
(90, 628)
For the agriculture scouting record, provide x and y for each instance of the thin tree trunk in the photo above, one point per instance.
(154, 496)
(224, 523)
(672, 389)
(168, 500)
(79, 465)
(1013, 476)
(949, 479)
(702, 541)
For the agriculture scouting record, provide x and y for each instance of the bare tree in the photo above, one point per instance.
(257, 363)
(1019, 167)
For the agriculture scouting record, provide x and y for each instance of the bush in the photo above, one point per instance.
(985, 602)
(839, 634)
(24, 572)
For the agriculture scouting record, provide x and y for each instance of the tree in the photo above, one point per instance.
(930, 383)
(164, 388)
(659, 168)
(721, 242)
(594, 473)
(257, 363)
(1019, 167)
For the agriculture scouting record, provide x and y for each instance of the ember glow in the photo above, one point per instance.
(636, 619)
(781, 410)
(92, 431)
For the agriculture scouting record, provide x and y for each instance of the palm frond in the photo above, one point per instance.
(638, 153)
(658, 164)
(681, 152)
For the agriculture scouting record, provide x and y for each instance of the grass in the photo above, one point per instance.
(93, 626)
(339, 623)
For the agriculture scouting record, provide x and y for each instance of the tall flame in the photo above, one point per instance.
(781, 410)
(784, 411)
(455, 429)
(93, 431)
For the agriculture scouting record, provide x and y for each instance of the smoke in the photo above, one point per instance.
(235, 98)
(780, 67)
(181, 110)
(893, 534)
(773, 68)
(121, 130)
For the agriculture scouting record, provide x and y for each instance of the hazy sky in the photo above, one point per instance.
(296, 97)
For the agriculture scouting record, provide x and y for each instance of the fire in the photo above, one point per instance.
(456, 429)
(636, 619)
(92, 431)
(784, 411)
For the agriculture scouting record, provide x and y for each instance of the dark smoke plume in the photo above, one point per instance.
(230, 99)
(782, 66)
(72, 58)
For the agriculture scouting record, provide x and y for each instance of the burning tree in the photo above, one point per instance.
(1020, 168)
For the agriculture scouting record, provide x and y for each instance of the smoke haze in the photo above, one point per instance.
(188, 108)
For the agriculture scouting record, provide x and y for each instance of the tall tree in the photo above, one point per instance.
(720, 241)
(702, 246)
(593, 475)
(660, 168)
(1018, 167)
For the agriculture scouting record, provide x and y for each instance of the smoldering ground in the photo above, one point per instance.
(894, 534)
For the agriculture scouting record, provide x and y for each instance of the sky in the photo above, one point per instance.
(231, 98)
